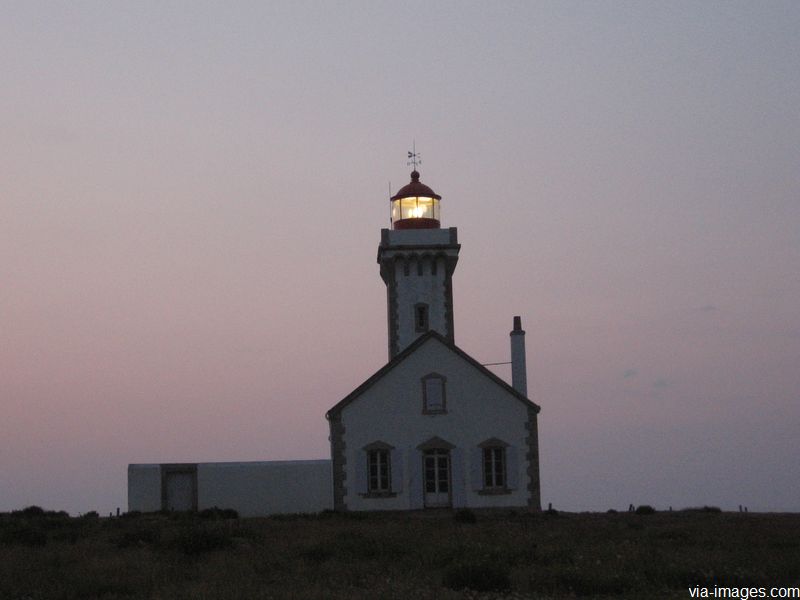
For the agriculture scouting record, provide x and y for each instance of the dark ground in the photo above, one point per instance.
(426, 555)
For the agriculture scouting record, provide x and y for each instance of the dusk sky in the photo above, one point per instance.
(191, 198)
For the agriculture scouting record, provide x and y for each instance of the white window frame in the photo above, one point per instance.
(386, 462)
(379, 461)
(494, 468)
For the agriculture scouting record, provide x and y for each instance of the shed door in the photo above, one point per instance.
(437, 478)
(180, 490)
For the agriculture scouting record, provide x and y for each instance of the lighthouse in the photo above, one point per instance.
(417, 259)
(432, 428)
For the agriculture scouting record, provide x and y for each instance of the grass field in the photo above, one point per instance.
(396, 555)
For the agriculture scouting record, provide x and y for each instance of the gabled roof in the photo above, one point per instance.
(408, 351)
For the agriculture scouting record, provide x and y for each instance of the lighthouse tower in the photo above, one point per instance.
(417, 258)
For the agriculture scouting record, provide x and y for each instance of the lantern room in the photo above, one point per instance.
(415, 206)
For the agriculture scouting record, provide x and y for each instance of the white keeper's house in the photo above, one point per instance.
(432, 428)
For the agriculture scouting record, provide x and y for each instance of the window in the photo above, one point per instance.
(378, 471)
(494, 463)
(433, 394)
(421, 318)
(494, 468)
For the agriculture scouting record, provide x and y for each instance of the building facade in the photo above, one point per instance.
(432, 428)
(253, 489)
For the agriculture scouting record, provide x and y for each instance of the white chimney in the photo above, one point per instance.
(519, 371)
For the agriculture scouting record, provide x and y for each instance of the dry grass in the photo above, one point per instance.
(395, 555)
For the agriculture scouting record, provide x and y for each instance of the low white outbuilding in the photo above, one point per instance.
(251, 488)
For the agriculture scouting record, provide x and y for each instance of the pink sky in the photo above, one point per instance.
(192, 196)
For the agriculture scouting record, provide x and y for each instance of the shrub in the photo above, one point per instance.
(354, 545)
(218, 513)
(140, 536)
(709, 509)
(30, 511)
(350, 515)
(593, 584)
(182, 516)
(465, 515)
(92, 514)
(645, 509)
(316, 554)
(24, 534)
(36, 512)
(70, 535)
(480, 577)
(193, 541)
(301, 516)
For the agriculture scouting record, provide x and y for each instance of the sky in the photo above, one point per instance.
(191, 198)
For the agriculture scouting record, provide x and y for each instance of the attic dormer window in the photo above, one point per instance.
(421, 318)
(434, 400)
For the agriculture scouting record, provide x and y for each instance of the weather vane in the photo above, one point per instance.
(414, 157)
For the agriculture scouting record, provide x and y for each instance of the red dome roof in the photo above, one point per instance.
(414, 189)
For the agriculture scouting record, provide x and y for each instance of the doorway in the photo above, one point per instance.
(437, 478)
(179, 487)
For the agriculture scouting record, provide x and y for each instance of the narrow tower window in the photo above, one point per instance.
(421, 318)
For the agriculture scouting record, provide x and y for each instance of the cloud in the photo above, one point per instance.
(708, 308)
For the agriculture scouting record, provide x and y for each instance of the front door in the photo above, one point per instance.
(437, 478)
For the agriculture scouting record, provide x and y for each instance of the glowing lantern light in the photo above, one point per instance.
(415, 206)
